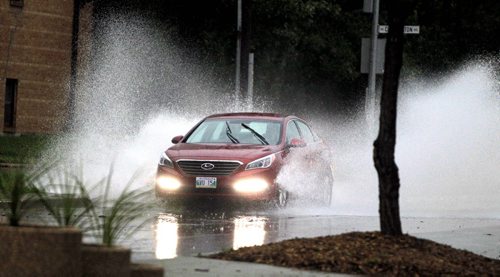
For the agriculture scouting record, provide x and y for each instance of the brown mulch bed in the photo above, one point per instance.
(367, 253)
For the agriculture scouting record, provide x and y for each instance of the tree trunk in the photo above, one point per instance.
(384, 145)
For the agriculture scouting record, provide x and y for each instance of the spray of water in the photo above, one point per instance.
(448, 149)
(139, 92)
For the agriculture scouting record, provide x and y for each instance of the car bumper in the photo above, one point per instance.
(226, 186)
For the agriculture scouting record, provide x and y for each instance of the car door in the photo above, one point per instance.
(311, 163)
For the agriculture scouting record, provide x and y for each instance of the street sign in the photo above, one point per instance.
(409, 29)
(412, 29)
(383, 29)
(368, 6)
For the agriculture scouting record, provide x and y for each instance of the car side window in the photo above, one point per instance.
(307, 135)
(291, 131)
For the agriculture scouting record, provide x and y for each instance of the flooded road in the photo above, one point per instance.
(202, 231)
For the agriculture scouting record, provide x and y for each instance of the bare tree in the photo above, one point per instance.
(383, 152)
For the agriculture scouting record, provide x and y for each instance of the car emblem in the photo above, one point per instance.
(207, 166)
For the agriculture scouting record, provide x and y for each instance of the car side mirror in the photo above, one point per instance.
(176, 139)
(296, 142)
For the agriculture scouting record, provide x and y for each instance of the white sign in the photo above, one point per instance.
(412, 29)
(383, 29)
(409, 29)
(368, 6)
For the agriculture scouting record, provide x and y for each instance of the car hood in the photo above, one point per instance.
(241, 152)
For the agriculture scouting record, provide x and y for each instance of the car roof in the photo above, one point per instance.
(249, 114)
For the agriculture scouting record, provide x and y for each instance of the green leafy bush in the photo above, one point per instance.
(23, 148)
(18, 190)
(63, 193)
(111, 218)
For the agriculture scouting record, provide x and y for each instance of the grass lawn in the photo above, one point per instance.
(23, 148)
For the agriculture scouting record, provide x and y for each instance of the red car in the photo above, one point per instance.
(239, 155)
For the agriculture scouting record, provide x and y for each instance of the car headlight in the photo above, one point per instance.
(168, 183)
(165, 161)
(264, 162)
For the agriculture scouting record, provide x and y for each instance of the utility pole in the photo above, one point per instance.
(71, 105)
(238, 54)
(372, 74)
(250, 80)
(244, 31)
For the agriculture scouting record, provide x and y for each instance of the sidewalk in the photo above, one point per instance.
(193, 266)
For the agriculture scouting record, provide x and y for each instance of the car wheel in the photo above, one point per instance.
(329, 186)
(328, 183)
(281, 199)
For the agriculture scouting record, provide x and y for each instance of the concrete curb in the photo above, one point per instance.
(194, 266)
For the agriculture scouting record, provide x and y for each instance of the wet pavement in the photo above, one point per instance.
(184, 232)
(192, 229)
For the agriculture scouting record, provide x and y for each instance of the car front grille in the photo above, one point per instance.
(221, 168)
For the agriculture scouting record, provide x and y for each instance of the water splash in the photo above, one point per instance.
(140, 91)
(448, 149)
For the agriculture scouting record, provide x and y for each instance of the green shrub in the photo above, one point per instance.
(63, 193)
(23, 148)
(18, 190)
(111, 218)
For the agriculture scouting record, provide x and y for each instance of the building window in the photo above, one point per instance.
(9, 119)
(17, 3)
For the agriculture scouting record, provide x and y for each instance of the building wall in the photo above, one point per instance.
(35, 48)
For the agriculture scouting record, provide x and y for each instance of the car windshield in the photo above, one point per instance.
(237, 131)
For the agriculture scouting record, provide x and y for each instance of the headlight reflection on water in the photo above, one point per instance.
(249, 231)
(166, 237)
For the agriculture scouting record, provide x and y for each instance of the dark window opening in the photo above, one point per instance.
(17, 3)
(9, 118)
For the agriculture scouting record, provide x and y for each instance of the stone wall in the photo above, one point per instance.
(35, 49)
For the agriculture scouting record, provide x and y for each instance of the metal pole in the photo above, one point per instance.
(71, 105)
(238, 54)
(370, 95)
(250, 80)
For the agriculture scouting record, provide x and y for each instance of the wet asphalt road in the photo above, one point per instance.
(201, 230)
(191, 230)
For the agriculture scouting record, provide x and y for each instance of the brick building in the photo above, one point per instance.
(37, 63)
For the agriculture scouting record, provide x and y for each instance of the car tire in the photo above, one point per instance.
(281, 198)
(328, 183)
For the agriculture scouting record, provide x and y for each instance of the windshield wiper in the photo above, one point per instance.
(229, 134)
(257, 135)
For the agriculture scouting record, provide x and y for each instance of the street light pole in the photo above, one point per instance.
(237, 85)
(372, 74)
(250, 80)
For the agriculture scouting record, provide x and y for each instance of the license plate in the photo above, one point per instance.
(206, 182)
